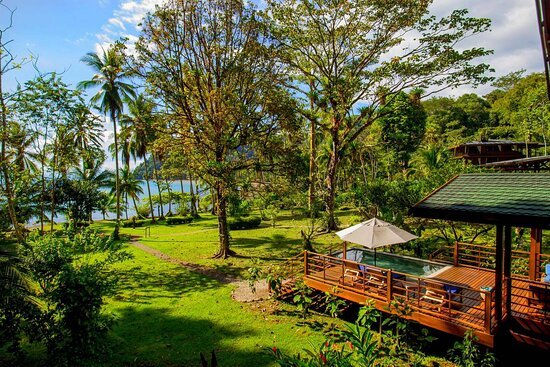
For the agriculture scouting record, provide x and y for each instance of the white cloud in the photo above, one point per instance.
(514, 36)
(125, 21)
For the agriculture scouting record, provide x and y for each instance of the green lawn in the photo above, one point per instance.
(167, 315)
(198, 241)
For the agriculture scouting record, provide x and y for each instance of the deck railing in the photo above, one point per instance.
(531, 299)
(455, 303)
(482, 256)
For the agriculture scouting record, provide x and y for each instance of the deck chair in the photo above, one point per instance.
(351, 274)
(436, 296)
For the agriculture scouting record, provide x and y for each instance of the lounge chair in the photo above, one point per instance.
(441, 295)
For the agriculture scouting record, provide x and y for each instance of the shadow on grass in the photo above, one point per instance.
(156, 337)
(139, 286)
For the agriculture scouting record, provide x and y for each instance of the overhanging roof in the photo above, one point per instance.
(522, 162)
(517, 199)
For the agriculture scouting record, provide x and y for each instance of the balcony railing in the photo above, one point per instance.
(454, 303)
(480, 256)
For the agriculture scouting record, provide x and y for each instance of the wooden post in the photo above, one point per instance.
(324, 268)
(488, 310)
(390, 285)
(534, 254)
(345, 253)
(456, 254)
(508, 269)
(498, 274)
(305, 263)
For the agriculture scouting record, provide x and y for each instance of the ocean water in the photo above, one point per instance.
(174, 185)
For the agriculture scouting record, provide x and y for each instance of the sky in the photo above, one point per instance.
(60, 32)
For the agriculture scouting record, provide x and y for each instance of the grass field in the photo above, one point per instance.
(166, 315)
(198, 241)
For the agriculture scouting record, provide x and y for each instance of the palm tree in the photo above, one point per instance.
(92, 172)
(107, 204)
(130, 186)
(108, 77)
(140, 120)
(85, 131)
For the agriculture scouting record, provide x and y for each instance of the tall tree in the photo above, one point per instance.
(140, 119)
(343, 47)
(403, 126)
(7, 64)
(109, 78)
(211, 64)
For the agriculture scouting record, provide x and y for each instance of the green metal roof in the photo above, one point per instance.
(517, 199)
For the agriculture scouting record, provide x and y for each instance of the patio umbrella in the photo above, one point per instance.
(375, 233)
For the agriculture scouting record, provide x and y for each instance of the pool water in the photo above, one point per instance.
(399, 263)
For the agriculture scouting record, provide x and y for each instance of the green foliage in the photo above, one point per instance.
(333, 304)
(179, 220)
(368, 315)
(270, 213)
(402, 126)
(302, 298)
(255, 273)
(244, 223)
(136, 223)
(274, 278)
(468, 354)
(358, 349)
(16, 302)
(144, 210)
(238, 207)
(74, 275)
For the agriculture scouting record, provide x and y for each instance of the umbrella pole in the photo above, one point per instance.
(375, 257)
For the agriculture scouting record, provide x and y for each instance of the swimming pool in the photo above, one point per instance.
(399, 263)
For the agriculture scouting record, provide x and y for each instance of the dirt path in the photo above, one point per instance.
(242, 292)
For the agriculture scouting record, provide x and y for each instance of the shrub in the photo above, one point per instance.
(144, 210)
(244, 223)
(179, 220)
(73, 282)
(136, 223)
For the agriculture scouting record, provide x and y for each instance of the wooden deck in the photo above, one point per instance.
(469, 307)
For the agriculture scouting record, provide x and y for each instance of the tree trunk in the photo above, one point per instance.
(5, 167)
(155, 172)
(192, 193)
(149, 189)
(127, 205)
(312, 170)
(135, 206)
(117, 177)
(52, 192)
(169, 188)
(331, 183)
(213, 198)
(223, 230)
(312, 153)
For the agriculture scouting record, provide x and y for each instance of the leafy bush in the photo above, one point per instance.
(144, 210)
(179, 220)
(73, 277)
(238, 207)
(244, 223)
(468, 354)
(136, 223)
